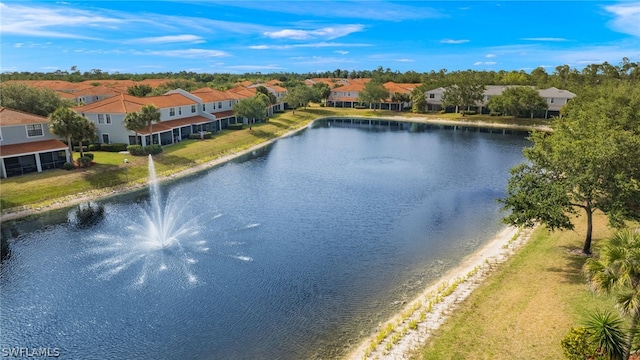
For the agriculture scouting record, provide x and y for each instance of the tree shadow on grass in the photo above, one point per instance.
(574, 262)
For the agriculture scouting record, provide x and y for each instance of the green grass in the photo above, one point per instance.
(111, 173)
(524, 310)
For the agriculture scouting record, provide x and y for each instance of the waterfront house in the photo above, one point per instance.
(27, 145)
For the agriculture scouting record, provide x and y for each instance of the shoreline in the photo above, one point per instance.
(73, 200)
(410, 328)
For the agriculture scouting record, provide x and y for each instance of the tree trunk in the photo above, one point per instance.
(587, 240)
(634, 324)
(70, 149)
(81, 151)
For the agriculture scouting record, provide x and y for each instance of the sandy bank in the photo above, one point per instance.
(407, 331)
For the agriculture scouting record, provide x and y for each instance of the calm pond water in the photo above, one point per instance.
(298, 251)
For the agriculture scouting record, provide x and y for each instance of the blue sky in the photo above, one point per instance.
(309, 36)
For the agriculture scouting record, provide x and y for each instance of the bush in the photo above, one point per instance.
(89, 155)
(114, 147)
(494, 113)
(68, 166)
(236, 126)
(577, 345)
(468, 112)
(135, 150)
(153, 149)
(84, 161)
(77, 148)
(359, 107)
(94, 147)
(196, 136)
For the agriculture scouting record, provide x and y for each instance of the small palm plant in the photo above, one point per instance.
(617, 272)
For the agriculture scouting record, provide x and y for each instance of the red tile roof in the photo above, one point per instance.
(10, 117)
(31, 147)
(123, 103)
(171, 124)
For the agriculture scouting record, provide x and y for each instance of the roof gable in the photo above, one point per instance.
(10, 117)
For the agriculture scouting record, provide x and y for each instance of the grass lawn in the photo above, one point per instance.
(524, 310)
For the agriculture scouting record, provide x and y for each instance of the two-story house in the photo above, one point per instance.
(181, 114)
(347, 95)
(218, 103)
(27, 145)
(555, 98)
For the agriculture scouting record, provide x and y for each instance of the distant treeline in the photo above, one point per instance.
(562, 76)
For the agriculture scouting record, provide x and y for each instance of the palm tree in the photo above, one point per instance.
(149, 114)
(607, 333)
(133, 122)
(66, 123)
(618, 272)
(86, 132)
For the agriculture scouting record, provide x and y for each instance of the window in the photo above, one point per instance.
(34, 130)
(105, 139)
(214, 106)
(220, 105)
(108, 117)
(179, 111)
(172, 111)
(0, 135)
(193, 108)
(100, 118)
(432, 96)
(230, 103)
(551, 101)
(204, 107)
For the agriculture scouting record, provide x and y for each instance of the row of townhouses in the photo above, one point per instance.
(26, 145)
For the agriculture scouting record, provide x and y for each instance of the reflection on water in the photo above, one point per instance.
(297, 251)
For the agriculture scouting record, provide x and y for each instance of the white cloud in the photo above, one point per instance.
(34, 21)
(254, 67)
(193, 39)
(325, 33)
(627, 18)
(405, 60)
(553, 39)
(489, 56)
(18, 45)
(341, 52)
(308, 45)
(452, 41)
(477, 63)
(189, 53)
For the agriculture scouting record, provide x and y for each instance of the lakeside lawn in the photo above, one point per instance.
(525, 309)
(110, 173)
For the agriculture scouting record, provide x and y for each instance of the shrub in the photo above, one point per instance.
(359, 107)
(135, 150)
(77, 148)
(494, 113)
(196, 136)
(68, 166)
(577, 345)
(468, 112)
(114, 147)
(94, 147)
(236, 126)
(89, 155)
(153, 149)
(84, 161)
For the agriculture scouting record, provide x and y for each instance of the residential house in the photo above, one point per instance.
(27, 145)
(218, 103)
(181, 114)
(347, 95)
(555, 98)
(278, 91)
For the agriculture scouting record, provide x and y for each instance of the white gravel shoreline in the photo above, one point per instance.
(413, 326)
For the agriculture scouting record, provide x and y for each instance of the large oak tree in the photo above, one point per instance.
(589, 162)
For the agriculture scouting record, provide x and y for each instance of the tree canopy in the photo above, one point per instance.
(297, 96)
(68, 124)
(463, 94)
(589, 162)
(33, 100)
(251, 108)
(373, 93)
(518, 100)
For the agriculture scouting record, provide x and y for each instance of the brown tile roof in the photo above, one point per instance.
(223, 114)
(355, 87)
(97, 90)
(31, 147)
(243, 92)
(10, 117)
(122, 103)
(209, 95)
(171, 124)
